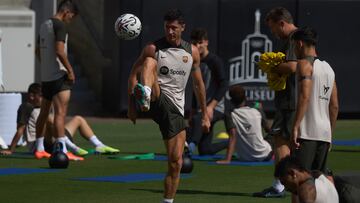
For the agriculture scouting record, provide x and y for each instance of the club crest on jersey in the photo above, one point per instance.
(185, 59)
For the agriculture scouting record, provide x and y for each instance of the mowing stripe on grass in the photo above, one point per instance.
(130, 178)
(354, 143)
(194, 157)
(18, 171)
(246, 163)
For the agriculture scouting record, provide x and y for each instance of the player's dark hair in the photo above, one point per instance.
(68, 5)
(237, 94)
(277, 14)
(306, 34)
(288, 162)
(198, 34)
(34, 88)
(174, 14)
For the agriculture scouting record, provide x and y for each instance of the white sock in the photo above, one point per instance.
(95, 141)
(40, 144)
(168, 200)
(70, 144)
(63, 142)
(277, 185)
(147, 91)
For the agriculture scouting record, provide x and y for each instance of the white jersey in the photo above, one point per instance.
(316, 122)
(250, 144)
(30, 130)
(173, 66)
(325, 191)
(51, 31)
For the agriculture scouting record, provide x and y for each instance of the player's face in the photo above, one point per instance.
(35, 98)
(276, 29)
(202, 45)
(68, 16)
(173, 30)
(290, 183)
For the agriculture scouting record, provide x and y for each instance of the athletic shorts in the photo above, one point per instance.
(312, 154)
(171, 122)
(283, 123)
(348, 188)
(51, 88)
(49, 144)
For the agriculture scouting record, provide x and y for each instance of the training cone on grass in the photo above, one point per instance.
(222, 135)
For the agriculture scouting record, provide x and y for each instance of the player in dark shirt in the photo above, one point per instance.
(214, 76)
(282, 27)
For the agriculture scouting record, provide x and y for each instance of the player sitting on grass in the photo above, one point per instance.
(309, 186)
(244, 126)
(28, 113)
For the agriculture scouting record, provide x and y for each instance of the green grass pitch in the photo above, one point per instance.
(209, 183)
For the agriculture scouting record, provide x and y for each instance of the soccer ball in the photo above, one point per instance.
(127, 26)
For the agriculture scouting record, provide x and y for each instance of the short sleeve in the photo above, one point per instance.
(290, 52)
(23, 114)
(59, 30)
(229, 123)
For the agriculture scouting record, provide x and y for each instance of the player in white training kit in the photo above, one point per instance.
(164, 67)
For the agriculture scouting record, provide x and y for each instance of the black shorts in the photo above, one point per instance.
(312, 154)
(283, 123)
(51, 88)
(49, 144)
(348, 188)
(171, 122)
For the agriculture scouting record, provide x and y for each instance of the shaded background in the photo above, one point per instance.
(103, 62)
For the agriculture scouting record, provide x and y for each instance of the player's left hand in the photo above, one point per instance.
(210, 112)
(205, 123)
(294, 137)
(71, 77)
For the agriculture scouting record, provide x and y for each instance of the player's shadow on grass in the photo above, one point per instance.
(198, 192)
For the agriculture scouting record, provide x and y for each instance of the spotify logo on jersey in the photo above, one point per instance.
(164, 70)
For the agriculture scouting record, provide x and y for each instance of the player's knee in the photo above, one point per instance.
(150, 62)
(78, 118)
(176, 163)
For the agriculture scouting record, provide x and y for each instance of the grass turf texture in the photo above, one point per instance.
(209, 183)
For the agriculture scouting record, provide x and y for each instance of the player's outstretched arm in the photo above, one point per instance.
(231, 147)
(286, 68)
(199, 88)
(19, 132)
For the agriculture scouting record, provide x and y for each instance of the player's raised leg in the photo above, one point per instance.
(143, 90)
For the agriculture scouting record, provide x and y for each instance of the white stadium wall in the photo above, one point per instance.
(18, 48)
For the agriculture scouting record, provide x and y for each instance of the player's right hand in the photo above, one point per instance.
(71, 77)
(205, 123)
(6, 152)
(294, 137)
(131, 113)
